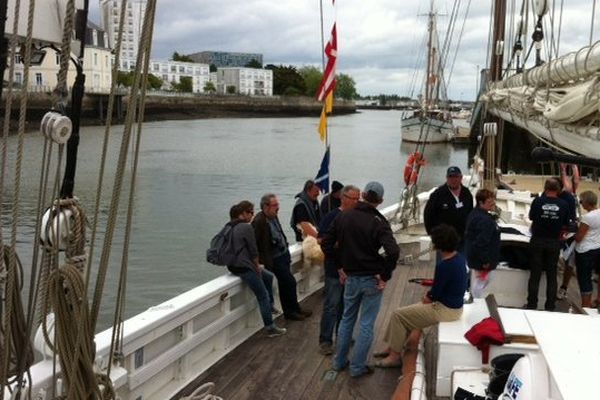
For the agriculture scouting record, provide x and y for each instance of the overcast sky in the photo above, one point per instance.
(379, 41)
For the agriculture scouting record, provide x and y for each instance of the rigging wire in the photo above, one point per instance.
(460, 36)
(593, 19)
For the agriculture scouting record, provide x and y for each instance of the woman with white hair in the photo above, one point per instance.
(587, 249)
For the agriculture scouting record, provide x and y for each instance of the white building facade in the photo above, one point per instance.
(171, 72)
(97, 65)
(250, 81)
(110, 11)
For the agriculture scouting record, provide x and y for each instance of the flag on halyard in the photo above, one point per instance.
(323, 121)
(327, 84)
(322, 178)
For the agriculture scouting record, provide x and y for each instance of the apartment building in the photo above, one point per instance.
(97, 65)
(172, 71)
(225, 58)
(110, 11)
(251, 81)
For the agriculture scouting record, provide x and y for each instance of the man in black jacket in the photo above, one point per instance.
(449, 204)
(359, 233)
(274, 254)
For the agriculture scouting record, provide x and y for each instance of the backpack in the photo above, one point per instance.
(221, 250)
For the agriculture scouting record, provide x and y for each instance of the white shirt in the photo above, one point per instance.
(591, 240)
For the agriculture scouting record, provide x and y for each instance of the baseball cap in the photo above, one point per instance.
(453, 171)
(376, 188)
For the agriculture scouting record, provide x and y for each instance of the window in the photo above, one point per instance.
(181, 69)
(155, 67)
(173, 68)
(18, 77)
(106, 61)
(95, 59)
(38, 79)
(57, 58)
(95, 37)
(18, 59)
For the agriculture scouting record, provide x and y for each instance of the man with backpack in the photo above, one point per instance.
(246, 266)
(273, 253)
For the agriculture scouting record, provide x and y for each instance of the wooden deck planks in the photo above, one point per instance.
(291, 367)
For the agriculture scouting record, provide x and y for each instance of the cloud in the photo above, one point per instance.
(380, 41)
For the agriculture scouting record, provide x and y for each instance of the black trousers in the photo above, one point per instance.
(287, 284)
(544, 258)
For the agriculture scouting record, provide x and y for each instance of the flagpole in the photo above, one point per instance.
(323, 63)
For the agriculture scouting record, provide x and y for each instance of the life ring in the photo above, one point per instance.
(410, 172)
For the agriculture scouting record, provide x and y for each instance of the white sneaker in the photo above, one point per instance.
(274, 330)
(562, 293)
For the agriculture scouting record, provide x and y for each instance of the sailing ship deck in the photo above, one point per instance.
(291, 367)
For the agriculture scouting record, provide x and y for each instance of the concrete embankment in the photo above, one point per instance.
(172, 107)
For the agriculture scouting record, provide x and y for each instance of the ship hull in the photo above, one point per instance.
(433, 130)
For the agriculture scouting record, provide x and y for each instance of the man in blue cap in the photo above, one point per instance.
(449, 204)
(359, 233)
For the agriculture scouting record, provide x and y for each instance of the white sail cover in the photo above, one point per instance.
(48, 19)
(558, 101)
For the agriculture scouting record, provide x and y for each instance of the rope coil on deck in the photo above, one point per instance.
(203, 393)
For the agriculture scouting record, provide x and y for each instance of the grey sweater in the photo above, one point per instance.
(244, 241)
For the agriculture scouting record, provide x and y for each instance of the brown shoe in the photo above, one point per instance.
(305, 313)
(294, 317)
(326, 348)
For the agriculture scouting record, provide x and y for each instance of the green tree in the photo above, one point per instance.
(345, 87)
(312, 78)
(154, 82)
(124, 78)
(230, 89)
(287, 80)
(254, 63)
(185, 85)
(209, 87)
(181, 57)
(212, 68)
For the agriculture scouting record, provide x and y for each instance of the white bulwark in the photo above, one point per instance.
(171, 73)
(251, 81)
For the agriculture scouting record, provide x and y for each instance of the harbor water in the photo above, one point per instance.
(192, 171)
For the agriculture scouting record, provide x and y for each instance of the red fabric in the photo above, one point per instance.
(328, 82)
(483, 334)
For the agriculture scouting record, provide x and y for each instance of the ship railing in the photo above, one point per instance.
(169, 345)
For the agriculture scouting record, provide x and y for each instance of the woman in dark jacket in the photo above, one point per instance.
(482, 235)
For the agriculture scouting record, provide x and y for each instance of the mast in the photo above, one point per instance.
(495, 130)
(498, 40)
(430, 64)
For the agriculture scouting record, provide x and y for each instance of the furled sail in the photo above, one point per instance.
(558, 101)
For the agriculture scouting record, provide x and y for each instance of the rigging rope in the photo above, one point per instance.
(14, 309)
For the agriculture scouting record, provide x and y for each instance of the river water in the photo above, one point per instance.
(192, 171)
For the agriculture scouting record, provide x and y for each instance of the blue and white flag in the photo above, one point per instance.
(322, 178)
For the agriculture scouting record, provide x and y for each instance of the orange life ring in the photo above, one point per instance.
(410, 172)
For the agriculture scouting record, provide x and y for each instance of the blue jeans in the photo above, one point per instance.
(262, 286)
(333, 308)
(586, 263)
(361, 292)
(287, 284)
